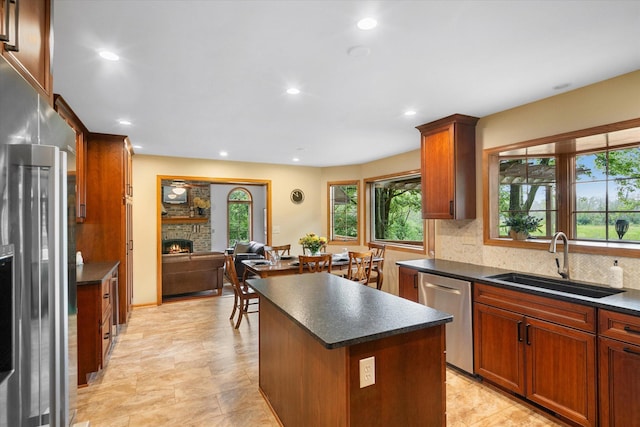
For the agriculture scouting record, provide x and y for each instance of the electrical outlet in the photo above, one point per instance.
(367, 371)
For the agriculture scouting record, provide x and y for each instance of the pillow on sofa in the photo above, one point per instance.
(241, 247)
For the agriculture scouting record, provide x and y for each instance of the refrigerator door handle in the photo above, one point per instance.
(16, 13)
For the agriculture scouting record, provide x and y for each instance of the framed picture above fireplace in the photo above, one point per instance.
(174, 195)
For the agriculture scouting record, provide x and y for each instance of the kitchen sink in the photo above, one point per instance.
(560, 285)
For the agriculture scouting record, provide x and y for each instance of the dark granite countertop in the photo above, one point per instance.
(625, 302)
(339, 312)
(92, 273)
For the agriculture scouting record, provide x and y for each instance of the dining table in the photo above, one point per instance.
(291, 265)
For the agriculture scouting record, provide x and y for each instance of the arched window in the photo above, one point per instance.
(239, 213)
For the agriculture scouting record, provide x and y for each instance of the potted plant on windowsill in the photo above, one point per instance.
(520, 225)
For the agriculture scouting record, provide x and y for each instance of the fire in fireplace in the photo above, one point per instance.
(177, 246)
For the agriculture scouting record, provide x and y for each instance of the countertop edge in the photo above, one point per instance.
(95, 272)
(627, 302)
(442, 318)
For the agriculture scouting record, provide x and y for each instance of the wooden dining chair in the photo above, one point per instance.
(282, 250)
(378, 250)
(315, 264)
(244, 296)
(359, 269)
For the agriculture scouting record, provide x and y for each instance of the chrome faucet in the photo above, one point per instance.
(564, 271)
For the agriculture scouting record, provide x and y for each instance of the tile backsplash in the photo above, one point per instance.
(462, 241)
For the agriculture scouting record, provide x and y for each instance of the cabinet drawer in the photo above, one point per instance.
(105, 336)
(562, 312)
(623, 327)
(105, 296)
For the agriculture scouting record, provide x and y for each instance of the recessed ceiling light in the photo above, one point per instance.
(124, 122)
(137, 147)
(223, 154)
(295, 159)
(367, 23)
(409, 113)
(108, 55)
(293, 91)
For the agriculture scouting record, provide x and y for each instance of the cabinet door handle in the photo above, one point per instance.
(106, 336)
(519, 331)
(631, 330)
(5, 37)
(13, 47)
(415, 282)
(451, 207)
(105, 296)
(628, 350)
(526, 330)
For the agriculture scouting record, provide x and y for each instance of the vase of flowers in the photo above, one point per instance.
(520, 225)
(313, 242)
(200, 205)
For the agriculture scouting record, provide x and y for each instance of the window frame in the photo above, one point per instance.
(563, 146)
(428, 226)
(330, 210)
(247, 202)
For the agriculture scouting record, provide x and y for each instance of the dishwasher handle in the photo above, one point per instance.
(443, 288)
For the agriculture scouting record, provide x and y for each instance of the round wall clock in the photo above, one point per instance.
(297, 196)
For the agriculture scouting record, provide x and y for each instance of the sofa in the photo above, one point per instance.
(242, 251)
(185, 273)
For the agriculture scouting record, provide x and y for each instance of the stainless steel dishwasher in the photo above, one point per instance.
(452, 296)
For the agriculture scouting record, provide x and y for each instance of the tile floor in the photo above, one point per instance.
(183, 364)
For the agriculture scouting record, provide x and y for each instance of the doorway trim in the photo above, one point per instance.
(231, 181)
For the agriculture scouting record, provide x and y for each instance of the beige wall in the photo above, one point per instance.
(610, 101)
(606, 102)
(293, 220)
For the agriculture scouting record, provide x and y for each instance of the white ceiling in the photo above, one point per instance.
(198, 77)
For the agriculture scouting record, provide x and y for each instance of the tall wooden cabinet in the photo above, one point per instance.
(106, 233)
(28, 50)
(448, 159)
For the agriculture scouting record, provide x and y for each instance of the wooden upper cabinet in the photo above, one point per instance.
(448, 159)
(65, 111)
(28, 49)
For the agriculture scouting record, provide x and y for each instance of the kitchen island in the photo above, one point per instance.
(314, 331)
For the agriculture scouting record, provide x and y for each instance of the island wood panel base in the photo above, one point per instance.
(308, 384)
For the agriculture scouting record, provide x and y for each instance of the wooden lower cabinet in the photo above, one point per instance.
(306, 384)
(408, 283)
(619, 369)
(546, 362)
(96, 306)
(499, 353)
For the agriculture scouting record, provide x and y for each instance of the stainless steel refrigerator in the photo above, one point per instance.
(37, 270)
